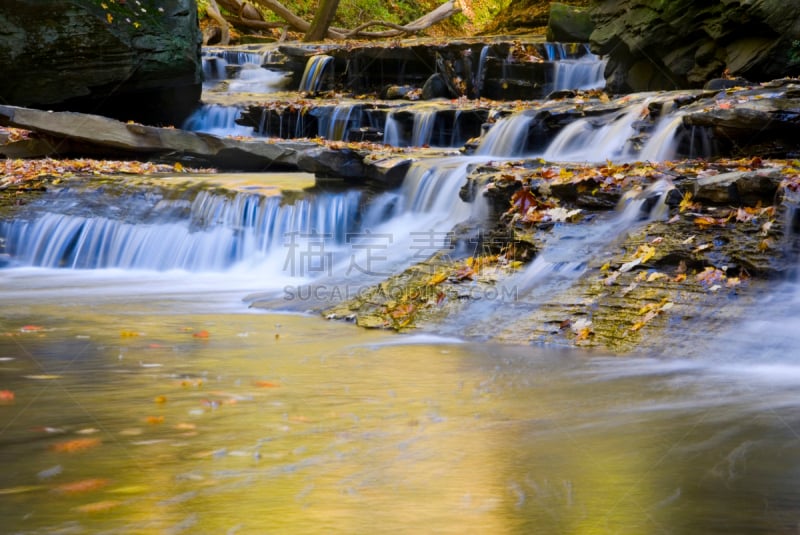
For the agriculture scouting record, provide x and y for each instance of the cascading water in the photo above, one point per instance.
(218, 120)
(569, 257)
(313, 75)
(218, 232)
(508, 137)
(335, 124)
(570, 71)
(391, 133)
(424, 121)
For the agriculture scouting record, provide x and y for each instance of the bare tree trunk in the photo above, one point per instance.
(322, 20)
(213, 11)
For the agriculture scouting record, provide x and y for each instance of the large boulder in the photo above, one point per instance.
(132, 60)
(652, 44)
(569, 24)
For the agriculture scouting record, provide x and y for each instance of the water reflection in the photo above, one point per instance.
(130, 423)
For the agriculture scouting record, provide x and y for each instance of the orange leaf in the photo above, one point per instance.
(78, 444)
(84, 485)
(266, 384)
(98, 507)
(201, 334)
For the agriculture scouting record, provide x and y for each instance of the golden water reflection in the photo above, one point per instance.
(132, 423)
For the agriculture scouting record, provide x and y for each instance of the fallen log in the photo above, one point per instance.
(299, 24)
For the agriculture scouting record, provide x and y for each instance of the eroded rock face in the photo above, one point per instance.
(654, 44)
(129, 60)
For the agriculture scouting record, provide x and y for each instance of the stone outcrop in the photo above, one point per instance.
(569, 24)
(129, 60)
(652, 44)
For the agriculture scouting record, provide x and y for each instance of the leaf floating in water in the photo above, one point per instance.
(98, 507)
(128, 334)
(154, 420)
(31, 328)
(79, 444)
(84, 485)
(6, 397)
(160, 399)
(184, 426)
(266, 384)
(201, 334)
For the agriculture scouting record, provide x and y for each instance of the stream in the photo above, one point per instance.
(140, 393)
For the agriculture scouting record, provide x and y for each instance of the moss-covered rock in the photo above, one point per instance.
(135, 60)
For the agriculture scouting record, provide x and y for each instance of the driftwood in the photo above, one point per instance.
(247, 16)
(213, 11)
(439, 14)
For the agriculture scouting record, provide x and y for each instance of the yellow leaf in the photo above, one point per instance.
(178, 167)
(437, 278)
(109, 18)
(686, 202)
(656, 276)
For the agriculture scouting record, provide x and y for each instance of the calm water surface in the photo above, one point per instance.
(145, 418)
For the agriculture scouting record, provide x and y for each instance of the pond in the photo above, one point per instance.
(184, 412)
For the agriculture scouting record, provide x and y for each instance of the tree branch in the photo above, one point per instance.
(213, 11)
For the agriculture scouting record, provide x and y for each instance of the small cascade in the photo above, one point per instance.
(219, 232)
(508, 137)
(218, 120)
(480, 76)
(662, 143)
(568, 254)
(335, 123)
(252, 78)
(312, 76)
(424, 121)
(214, 68)
(584, 72)
(596, 138)
(391, 132)
(234, 56)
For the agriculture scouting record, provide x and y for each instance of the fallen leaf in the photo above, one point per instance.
(266, 384)
(84, 485)
(98, 507)
(76, 445)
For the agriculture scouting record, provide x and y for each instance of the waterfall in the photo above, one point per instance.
(597, 138)
(508, 137)
(312, 76)
(255, 79)
(586, 72)
(569, 256)
(335, 123)
(218, 120)
(424, 121)
(391, 132)
(481, 70)
(219, 232)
